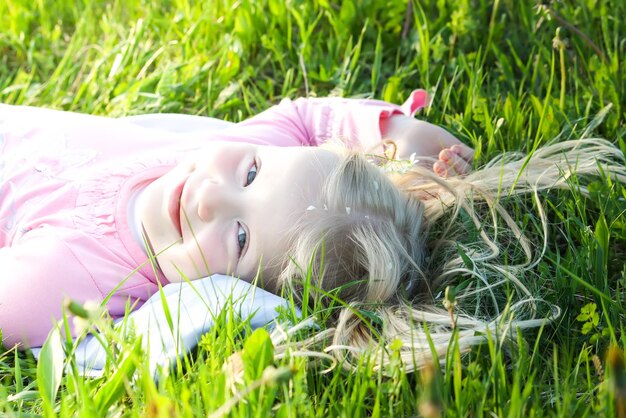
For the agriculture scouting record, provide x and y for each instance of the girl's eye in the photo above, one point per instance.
(242, 237)
(251, 174)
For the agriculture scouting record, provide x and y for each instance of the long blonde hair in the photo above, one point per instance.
(385, 241)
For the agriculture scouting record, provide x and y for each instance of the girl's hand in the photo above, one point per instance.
(454, 161)
(413, 136)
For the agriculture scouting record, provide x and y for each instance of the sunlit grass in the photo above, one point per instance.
(503, 77)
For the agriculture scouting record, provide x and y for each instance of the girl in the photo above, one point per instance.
(380, 231)
(98, 209)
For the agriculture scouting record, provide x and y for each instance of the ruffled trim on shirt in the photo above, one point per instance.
(101, 205)
(370, 121)
(417, 100)
(135, 249)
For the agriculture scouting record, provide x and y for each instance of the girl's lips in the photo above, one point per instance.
(174, 206)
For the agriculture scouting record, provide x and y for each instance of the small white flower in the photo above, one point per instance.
(80, 324)
(311, 208)
(413, 160)
(92, 305)
(348, 210)
(400, 166)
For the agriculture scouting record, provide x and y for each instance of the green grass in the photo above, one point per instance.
(503, 77)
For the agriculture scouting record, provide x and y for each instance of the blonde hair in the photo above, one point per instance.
(385, 241)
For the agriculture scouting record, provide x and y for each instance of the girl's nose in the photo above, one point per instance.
(215, 198)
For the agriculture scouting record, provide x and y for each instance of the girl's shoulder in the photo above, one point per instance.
(25, 130)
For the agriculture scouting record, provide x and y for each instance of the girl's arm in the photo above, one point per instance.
(361, 124)
(36, 276)
(413, 136)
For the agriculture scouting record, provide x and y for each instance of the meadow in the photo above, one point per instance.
(504, 76)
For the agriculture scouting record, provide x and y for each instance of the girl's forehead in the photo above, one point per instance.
(311, 158)
(294, 177)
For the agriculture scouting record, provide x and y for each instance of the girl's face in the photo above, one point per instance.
(230, 206)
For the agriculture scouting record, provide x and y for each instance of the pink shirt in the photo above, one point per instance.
(65, 184)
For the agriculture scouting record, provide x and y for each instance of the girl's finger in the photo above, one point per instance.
(455, 162)
(465, 152)
(459, 165)
(440, 168)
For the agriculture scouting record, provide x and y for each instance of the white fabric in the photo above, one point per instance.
(193, 308)
(134, 221)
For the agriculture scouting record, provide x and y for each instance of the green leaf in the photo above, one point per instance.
(25, 395)
(274, 376)
(115, 385)
(587, 328)
(597, 120)
(277, 8)
(376, 68)
(450, 295)
(391, 89)
(77, 309)
(595, 318)
(348, 11)
(50, 368)
(396, 345)
(258, 353)
(373, 317)
(582, 317)
(466, 258)
(589, 309)
(602, 236)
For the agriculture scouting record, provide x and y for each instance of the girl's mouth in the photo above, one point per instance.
(174, 207)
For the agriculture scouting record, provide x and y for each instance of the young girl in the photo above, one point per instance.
(86, 203)
(378, 229)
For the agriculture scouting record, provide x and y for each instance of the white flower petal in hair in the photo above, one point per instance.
(311, 207)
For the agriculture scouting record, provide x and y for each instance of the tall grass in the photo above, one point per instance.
(504, 75)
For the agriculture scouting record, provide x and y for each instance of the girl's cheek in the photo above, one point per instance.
(187, 165)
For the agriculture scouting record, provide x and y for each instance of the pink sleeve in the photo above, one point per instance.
(36, 277)
(359, 123)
